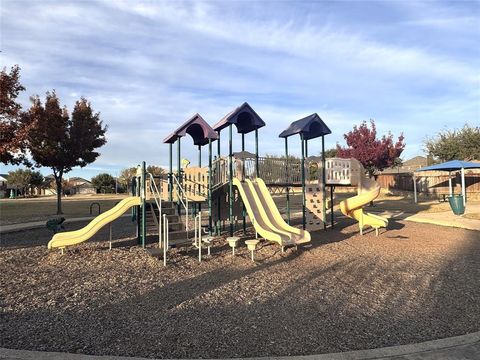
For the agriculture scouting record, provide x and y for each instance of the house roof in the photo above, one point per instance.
(79, 179)
(197, 128)
(311, 127)
(416, 161)
(243, 117)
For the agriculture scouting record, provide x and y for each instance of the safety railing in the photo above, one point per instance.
(271, 170)
(341, 171)
(182, 198)
(195, 189)
(198, 235)
(219, 172)
(165, 239)
(156, 193)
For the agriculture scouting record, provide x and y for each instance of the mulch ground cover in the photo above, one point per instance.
(414, 282)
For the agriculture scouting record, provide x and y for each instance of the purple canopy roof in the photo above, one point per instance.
(197, 128)
(310, 127)
(244, 118)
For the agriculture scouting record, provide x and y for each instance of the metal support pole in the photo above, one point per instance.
(331, 207)
(199, 156)
(143, 197)
(415, 188)
(306, 148)
(179, 174)
(199, 237)
(209, 186)
(464, 192)
(287, 181)
(304, 215)
(324, 190)
(218, 198)
(450, 191)
(170, 173)
(256, 153)
(110, 237)
(230, 178)
(243, 176)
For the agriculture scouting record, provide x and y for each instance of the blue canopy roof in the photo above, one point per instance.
(451, 166)
(310, 127)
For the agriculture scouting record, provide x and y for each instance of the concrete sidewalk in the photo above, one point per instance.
(444, 218)
(465, 347)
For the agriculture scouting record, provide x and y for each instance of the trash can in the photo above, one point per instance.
(456, 203)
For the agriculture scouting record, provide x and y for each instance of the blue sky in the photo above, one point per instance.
(148, 66)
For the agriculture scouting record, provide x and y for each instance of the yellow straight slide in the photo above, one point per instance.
(260, 221)
(353, 207)
(61, 240)
(299, 236)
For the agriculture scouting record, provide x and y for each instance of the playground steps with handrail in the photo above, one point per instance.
(152, 216)
(176, 227)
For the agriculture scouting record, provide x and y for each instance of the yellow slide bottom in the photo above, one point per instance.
(299, 236)
(260, 210)
(353, 207)
(64, 239)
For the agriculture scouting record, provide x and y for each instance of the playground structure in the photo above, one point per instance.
(236, 186)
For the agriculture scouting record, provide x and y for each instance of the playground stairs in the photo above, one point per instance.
(176, 227)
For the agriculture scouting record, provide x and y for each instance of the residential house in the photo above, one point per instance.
(73, 186)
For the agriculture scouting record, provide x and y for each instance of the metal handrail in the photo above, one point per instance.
(184, 203)
(157, 196)
(165, 239)
(198, 234)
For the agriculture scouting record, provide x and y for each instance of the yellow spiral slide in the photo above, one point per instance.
(64, 239)
(368, 190)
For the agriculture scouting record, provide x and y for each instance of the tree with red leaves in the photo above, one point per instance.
(14, 125)
(374, 154)
(61, 142)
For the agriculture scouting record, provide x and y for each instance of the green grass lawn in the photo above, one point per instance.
(14, 211)
(36, 209)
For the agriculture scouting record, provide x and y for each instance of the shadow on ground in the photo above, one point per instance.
(414, 282)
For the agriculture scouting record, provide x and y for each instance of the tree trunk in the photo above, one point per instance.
(58, 181)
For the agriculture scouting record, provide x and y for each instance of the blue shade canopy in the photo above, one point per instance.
(244, 118)
(197, 128)
(451, 166)
(310, 127)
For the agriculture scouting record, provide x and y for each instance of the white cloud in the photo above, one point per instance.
(148, 66)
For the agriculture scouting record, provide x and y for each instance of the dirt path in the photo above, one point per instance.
(415, 282)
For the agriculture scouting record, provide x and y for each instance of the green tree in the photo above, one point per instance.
(462, 144)
(36, 180)
(330, 153)
(14, 125)
(20, 179)
(126, 176)
(104, 183)
(60, 142)
(155, 170)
